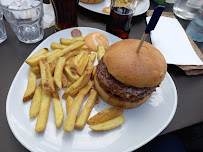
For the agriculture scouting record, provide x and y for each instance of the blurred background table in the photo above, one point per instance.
(13, 53)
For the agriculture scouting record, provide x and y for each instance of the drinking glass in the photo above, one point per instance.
(27, 23)
(186, 9)
(121, 16)
(3, 35)
(65, 13)
(195, 28)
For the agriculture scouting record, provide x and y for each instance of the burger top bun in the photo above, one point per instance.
(91, 1)
(92, 41)
(144, 69)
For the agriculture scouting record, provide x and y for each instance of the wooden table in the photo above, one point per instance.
(13, 53)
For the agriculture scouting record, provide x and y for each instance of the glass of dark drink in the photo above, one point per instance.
(65, 13)
(120, 17)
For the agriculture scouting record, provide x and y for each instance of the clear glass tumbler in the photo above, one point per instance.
(186, 9)
(3, 35)
(26, 23)
(195, 28)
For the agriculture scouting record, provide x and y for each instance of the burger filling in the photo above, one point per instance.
(117, 89)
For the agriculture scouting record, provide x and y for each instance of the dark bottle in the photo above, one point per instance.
(65, 13)
(120, 21)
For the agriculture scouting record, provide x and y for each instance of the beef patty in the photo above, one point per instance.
(118, 89)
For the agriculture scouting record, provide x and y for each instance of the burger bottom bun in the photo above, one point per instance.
(114, 101)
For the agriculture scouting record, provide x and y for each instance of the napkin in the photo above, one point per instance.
(188, 69)
(49, 17)
(170, 38)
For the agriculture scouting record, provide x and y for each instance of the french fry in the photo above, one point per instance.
(32, 82)
(58, 111)
(93, 72)
(97, 100)
(69, 84)
(105, 115)
(46, 76)
(108, 125)
(71, 76)
(82, 119)
(54, 57)
(75, 107)
(84, 47)
(82, 81)
(36, 71)
(69, 102)
(89, 67)
(64, 81)
(35, 60)
(70, 41)
(78, 39)
(42, 51)
(92, 58)
(71, 54)
(89, 51)
(43, 112)
(81, 54)
(55, 45)
(87, 88)
(59, 72)
(55, 95)
(82, 63)
(74, 64)
(68, 62)
(52, 66)
(74, 88)
(35, 104)
(71, 47)
(100, 52)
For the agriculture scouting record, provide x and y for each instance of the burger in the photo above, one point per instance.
(125, 78)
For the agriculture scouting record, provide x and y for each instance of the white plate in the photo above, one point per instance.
(141, 8)
(142, 124)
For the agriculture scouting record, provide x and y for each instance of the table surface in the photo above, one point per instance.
(13, 53)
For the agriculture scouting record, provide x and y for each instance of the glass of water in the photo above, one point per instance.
(186, 9)
(26, 21)
(3, 35)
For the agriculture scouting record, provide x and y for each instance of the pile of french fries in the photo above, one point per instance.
(68, 65)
